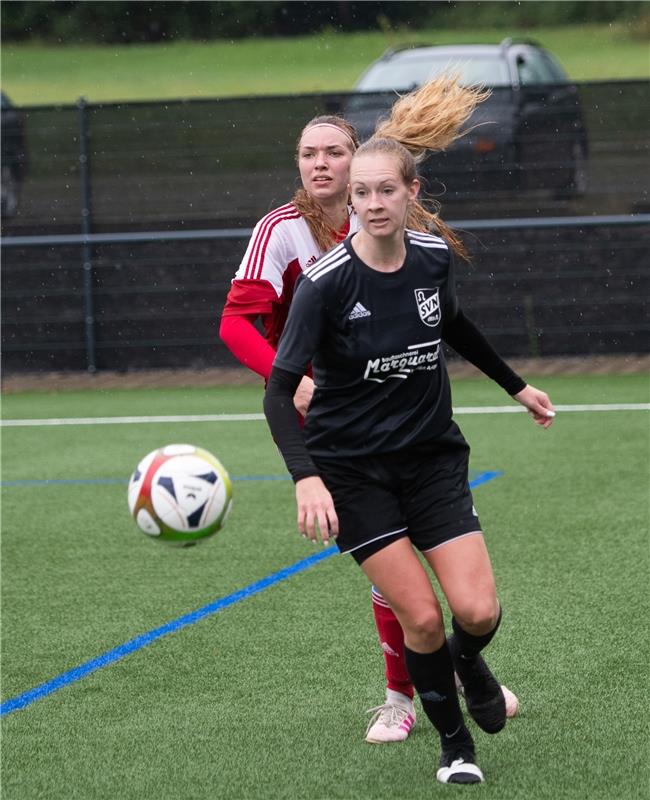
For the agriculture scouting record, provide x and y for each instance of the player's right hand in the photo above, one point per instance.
(303, 395)
(316, 510)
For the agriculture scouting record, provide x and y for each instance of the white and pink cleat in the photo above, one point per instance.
(393, 721)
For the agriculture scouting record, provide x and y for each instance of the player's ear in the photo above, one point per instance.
(414, 189)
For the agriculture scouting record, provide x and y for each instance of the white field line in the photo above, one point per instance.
(27, 423)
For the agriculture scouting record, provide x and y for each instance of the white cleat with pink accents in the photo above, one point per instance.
(391, 722)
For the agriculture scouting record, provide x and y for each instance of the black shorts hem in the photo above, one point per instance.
(361, 552)
(445, 532)
(399, 533)
(459, 530)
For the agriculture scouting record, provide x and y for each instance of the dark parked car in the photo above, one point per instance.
(14, 156)
(530, 134)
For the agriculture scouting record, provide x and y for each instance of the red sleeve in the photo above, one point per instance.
(250, 297)
(246, 343)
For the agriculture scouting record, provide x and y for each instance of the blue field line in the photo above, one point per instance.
(123, 650)
(139, 642)
(485, 476)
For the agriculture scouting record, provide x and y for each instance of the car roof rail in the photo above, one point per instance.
(398, 48)
(510, 40)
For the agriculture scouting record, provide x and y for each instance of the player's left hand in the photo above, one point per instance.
(538, 404)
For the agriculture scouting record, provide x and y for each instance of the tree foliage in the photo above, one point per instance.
(130, 21)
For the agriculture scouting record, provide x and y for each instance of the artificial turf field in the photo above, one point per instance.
(265, 698)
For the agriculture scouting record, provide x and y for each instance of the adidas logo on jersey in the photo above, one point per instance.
(359, 311)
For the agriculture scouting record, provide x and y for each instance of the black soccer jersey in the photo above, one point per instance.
(374, 341)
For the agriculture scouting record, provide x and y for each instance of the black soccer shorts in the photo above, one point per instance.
(422, 494)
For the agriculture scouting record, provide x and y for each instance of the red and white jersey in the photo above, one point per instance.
(281, 247)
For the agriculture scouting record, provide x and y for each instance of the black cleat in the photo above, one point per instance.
(457, 765)
(483, 695)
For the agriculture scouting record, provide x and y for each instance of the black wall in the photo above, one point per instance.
(536, 292)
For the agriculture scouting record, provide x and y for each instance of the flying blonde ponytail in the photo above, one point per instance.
(432, 117)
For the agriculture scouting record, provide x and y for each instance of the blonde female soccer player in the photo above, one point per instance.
(381, 465)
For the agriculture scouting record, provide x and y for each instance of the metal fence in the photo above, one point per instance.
(132, 218)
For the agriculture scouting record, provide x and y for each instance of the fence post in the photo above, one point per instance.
(531, 327)
(86, 227)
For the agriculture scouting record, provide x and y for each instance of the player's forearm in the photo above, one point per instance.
(282, 418)
(468, 341)
(247, 344)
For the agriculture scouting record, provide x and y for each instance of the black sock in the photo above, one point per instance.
(432, 675)
(470, 645)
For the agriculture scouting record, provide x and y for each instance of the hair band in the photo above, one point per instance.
(330, 125)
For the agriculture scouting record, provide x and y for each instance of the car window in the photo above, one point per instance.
(407, 73)
(389, 75)
(532, 68)
(557, 72)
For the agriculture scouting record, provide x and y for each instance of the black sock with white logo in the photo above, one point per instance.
(432, 675)
(469, 646)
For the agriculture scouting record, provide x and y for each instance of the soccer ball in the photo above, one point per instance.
(180, 494)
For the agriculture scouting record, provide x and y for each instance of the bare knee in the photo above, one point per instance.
(424, 630)
(478, 616)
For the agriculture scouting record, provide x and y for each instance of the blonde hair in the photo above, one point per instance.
(428, 119)
(431, 117)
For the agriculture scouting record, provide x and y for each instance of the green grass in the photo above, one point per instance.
(266, 698)
(35, 74)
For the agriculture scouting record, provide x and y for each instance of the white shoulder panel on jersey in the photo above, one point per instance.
(279, 238)
(335, 258)
(426, 240)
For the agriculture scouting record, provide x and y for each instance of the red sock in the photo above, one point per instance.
(391, 638)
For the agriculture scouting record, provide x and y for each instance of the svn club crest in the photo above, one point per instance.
(428, 301)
